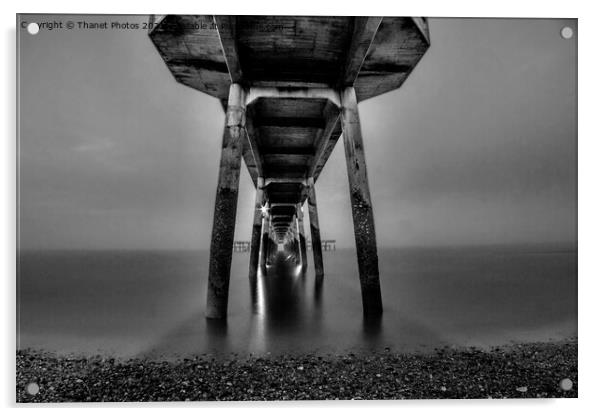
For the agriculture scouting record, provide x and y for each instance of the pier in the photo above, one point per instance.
(245, 246)
(289, 94)
(241, 246)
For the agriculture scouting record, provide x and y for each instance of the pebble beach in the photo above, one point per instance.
(533, 370)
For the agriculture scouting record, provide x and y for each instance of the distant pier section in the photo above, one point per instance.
(242, 246)
(245, 246)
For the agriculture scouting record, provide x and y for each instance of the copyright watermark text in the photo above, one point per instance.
(82, 24)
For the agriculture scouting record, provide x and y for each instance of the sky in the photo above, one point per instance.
(478, 146)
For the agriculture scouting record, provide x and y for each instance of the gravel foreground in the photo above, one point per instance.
(537, 370)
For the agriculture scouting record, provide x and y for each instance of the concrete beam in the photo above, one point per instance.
(364, 31)
(300, 179)
(249, 158)
(277, 217)
(224, 217)
(332, 119)
(309, 122)
(330, 94)
(281, 204)
(423, 26)
(154, 20)
(252, 138)
(226, 29)
(361, 205)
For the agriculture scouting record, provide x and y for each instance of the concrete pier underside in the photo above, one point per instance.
(290, 86)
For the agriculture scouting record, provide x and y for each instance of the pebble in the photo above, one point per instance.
(566, 384)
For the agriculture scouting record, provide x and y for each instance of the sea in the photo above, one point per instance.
(151, 304)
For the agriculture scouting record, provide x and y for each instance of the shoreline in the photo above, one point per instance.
(525, 370)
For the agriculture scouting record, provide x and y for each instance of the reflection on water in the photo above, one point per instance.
(280, 302)
(318, 286)
(152, 303)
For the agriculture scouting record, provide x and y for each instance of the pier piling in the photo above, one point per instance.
(314, 223)
(302, 241)
(226, 199)
(361, 204)
(256, 230)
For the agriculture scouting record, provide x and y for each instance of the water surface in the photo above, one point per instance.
(151, 303)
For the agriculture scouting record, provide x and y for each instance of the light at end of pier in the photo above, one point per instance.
(264, 210)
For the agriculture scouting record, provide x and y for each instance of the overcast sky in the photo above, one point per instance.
(478, 146)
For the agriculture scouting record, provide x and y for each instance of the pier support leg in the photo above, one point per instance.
(270, 245)
(296, 237)
(361, 204)
(302, 241)
(314, 225)
(224, 217)
(256, 231)
(264, 245)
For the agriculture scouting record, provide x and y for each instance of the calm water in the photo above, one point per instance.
(131, 303)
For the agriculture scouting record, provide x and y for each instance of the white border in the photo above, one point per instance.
(590, 209)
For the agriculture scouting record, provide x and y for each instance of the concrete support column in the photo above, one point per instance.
(314, 225)
(256, 230)
(265, 235)
(361, 204)
(270, 246)
(296, 245)
(302, 241)
(224, 217)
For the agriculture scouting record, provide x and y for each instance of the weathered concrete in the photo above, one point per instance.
(374, 54)
(256, 229)
(361, 204)
(302, 240)
(293, 73)
(224, 217)
(302, 82)
(364, 30)
(270, 242)
(264, 244)
(296, 237)
(314, 224)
